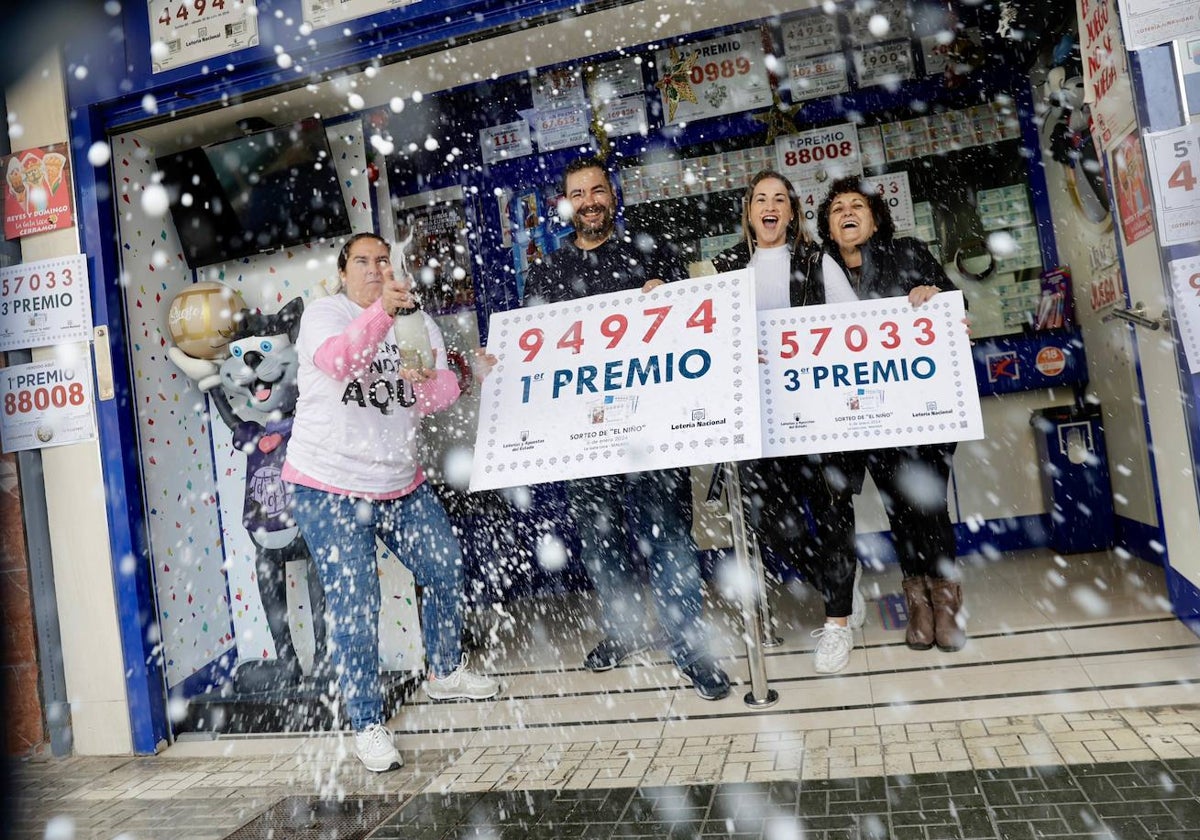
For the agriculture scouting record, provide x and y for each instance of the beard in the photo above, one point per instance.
(602, 228)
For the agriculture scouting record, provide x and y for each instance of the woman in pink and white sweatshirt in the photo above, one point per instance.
(352, 457)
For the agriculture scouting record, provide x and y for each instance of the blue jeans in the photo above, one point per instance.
(340, 532)
(655, 508)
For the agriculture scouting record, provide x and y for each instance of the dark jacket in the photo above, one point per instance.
(894, 268)
(616, 265)
(891, 269)
(806, 287)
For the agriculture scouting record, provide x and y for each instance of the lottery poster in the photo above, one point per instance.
(47, 403)
(45, 302)
(723, 76)
(186, 32)
(813, 158)
(1185, 291)
(867, 374)
(621, 383)
(1174, 158)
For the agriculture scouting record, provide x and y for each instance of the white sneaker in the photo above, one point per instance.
(376, 750)
(858, 609)
(833, 650)
(461, 684)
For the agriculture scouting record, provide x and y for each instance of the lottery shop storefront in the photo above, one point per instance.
(449, 122)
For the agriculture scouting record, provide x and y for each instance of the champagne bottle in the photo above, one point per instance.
(413, 339)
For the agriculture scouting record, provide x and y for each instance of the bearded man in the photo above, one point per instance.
(627, 522)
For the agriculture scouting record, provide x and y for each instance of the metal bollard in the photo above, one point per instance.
(761, 695)
(771, 639)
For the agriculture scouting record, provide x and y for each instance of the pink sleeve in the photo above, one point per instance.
(350, 352)
(437, 393)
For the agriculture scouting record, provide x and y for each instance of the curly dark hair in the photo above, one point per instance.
(885, 228)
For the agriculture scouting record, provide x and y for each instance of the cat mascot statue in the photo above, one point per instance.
(259, 378)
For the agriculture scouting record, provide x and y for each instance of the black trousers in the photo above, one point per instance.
(776, 492)
(913, 483)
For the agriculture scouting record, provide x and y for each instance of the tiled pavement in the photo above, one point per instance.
(1118, 774)
(901, 744)
(1125, 801)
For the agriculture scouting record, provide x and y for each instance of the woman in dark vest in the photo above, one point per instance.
(789, 271)
(856, 226)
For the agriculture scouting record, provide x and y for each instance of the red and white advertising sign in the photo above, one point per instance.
(1050, 361)
(1106, 287)
(866, 375)
(1134, 205)
(1105, 73)
(37, 191)
(47, 403)
(620, 383)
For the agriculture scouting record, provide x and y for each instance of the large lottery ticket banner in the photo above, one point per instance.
(47, 403)
(620, 383)
(45, 302)
(867, 374)
(722, 76)
(1175, 171)
(1185, 287)
(813, 158)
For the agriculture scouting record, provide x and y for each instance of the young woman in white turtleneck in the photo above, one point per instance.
(790, 270)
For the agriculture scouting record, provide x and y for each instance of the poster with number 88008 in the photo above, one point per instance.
(1175, 167)
(1185, 291)
(867, 375)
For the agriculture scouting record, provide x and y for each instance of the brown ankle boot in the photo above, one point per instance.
(920, 635)
(947, 601)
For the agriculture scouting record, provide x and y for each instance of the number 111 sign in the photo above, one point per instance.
(1175, 166)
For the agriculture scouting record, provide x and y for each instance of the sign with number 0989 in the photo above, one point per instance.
(867, 375)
